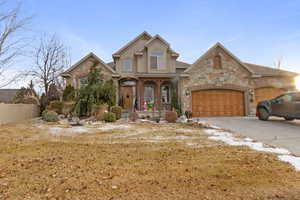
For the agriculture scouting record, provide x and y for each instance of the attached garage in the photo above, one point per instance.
(218, 102)
(267, 93)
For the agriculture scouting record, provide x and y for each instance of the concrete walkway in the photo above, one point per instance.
(276, 131)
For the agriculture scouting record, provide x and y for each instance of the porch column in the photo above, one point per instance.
(141, 94)
(117, 91)
(157, 95)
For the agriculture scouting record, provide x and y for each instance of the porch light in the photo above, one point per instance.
(187, 92)
(297, 82)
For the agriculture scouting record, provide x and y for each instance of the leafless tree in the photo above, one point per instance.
(51, 58)
(278, 63)
(12, 37)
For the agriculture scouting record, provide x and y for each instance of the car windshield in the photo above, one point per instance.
(284, 98)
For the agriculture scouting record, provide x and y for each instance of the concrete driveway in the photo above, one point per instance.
(276, 131)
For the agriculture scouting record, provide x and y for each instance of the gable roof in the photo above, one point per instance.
(181, 65)
(8, 95)
(218, 44)
(143, 34)
(269, 71)
(157, 36)
(91, 54)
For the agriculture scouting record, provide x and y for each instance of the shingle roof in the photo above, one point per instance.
(182, 65)
(269, 71)
(112, 65)
(8, 95)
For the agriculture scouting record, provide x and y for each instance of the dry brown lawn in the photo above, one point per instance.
(136, 161)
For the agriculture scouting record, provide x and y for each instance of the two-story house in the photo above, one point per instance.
(147, 72)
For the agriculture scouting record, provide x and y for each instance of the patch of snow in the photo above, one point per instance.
(233, 141)
(108, 127)
(293, 160)
(59, 131)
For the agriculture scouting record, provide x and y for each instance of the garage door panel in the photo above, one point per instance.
(208, 103)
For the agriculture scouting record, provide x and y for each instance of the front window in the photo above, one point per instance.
(149, 93)
(127, 65)
(83, 81)
(165, 94)
(157, 60)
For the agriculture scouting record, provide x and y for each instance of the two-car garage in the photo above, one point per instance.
(218, 102)
(225, 102)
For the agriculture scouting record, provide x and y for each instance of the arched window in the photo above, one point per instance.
(149, 93)
(217, 62)
(166, 93)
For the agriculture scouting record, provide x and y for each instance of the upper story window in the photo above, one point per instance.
(217, 62)
(127, 65)
(157, 60)
(83, 81)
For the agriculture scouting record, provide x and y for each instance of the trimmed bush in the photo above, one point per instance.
(50, 116)
(109, 117)
(117, 110)
(56, 106)
(188, 114)
(133, 116)
(171, 116)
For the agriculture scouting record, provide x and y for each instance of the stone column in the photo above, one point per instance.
(116, 82)
(157, 94)
(141, 94)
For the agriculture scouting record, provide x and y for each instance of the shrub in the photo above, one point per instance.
(69, 93)
(188, 114)
(109, 117)
(56, 106)
(171, 116)
(117, 110)
(133, 116)
(50, 116)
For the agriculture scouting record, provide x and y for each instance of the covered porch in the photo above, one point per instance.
(145, 93)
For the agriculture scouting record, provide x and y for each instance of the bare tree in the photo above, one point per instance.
(12, 37)
(51, 58)
(278, 63)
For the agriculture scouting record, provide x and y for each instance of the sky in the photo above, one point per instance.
(256, 31)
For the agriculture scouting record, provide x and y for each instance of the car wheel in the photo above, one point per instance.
(263, 114)
(289, 119)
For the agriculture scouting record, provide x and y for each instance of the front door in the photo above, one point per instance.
(127, 95)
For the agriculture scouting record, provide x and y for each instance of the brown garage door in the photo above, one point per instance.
(209, 103)
(267, 93)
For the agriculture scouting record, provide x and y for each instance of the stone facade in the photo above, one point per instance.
(234, 75)
(202, 75)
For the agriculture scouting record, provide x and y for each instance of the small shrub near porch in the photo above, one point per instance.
(117, 110)
(109, 117)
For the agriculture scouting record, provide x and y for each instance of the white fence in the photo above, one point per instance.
(10, 113)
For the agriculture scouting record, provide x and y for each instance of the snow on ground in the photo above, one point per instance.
(293, 160)
(108, 127)
(228, 138)
(59, 131)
